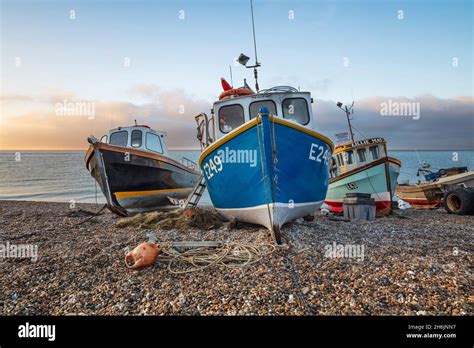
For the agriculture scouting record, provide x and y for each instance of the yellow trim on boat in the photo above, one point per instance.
(305, 130)
(348, 146)
(251, 124)
(226, 138)
(149, 192)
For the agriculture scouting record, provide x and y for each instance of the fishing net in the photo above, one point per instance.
(174, 219)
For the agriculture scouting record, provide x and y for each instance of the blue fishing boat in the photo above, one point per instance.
(262, 159)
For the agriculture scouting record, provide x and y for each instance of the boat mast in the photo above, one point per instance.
(243, 59)
(347, 111)
(257, 64)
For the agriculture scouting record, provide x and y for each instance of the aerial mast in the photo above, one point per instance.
(347, 111)
(243, 59)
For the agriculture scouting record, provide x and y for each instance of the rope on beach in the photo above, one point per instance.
(230, 255)
(290, 268)
(93, 215)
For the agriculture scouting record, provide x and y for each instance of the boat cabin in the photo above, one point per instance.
(352, 155)
(139, 137)
(286, 102)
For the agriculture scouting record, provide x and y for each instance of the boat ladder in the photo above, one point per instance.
(193, 199)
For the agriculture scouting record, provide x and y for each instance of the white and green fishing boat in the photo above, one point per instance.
(362, 166)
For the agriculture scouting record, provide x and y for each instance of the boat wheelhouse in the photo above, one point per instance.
(283, 102)
(363, 166)
(352, 155)
(138, 137)
(262, 159)
(134, 171)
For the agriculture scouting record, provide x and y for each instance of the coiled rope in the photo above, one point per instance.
(230, 255)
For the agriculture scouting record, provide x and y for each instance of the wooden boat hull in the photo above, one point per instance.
(377, 178)
(429, 195)
(137, 181)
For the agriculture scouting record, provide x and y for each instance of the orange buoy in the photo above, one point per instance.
(235, 91)
(142, 256)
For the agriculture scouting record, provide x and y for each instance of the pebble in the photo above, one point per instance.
(80, 270)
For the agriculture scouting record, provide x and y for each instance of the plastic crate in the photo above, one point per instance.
(360, 208)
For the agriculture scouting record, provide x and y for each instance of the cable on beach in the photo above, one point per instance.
(291, 269)
(230, 255)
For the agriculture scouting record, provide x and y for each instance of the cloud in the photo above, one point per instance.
(443, 123)
(169, 111)
(13, 98)
(51, 95)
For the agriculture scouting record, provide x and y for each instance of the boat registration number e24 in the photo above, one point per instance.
(319, 154)
(212, 167)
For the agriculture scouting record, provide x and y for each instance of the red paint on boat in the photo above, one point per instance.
(382, 207)
(420, 203)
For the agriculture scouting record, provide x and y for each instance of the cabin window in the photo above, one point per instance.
(230, 117)
(341, 159)
(361, 153)
(374, 150)
(296, 109)
(349, 157)
(153, 143)
(338, 158)
(119, 138)
(333, 167)
(136, 138)
(104, 139)
(255, 107)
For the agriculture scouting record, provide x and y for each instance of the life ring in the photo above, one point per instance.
(235, 91)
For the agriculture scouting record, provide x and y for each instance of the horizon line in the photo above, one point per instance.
(198, 149)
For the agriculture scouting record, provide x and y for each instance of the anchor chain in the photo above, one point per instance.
(290, 268)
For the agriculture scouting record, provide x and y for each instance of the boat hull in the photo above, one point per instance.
(270, 172)
(378, 178)
(137, 181)
(429, 195)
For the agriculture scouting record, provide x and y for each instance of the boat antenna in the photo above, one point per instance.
(243, 59)
(135, 122)
(257, 64)
(253, 30)
(231, 81)
(347, 111)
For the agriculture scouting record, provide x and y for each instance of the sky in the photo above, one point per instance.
(160, 62)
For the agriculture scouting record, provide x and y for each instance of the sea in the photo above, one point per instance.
(61, 176)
